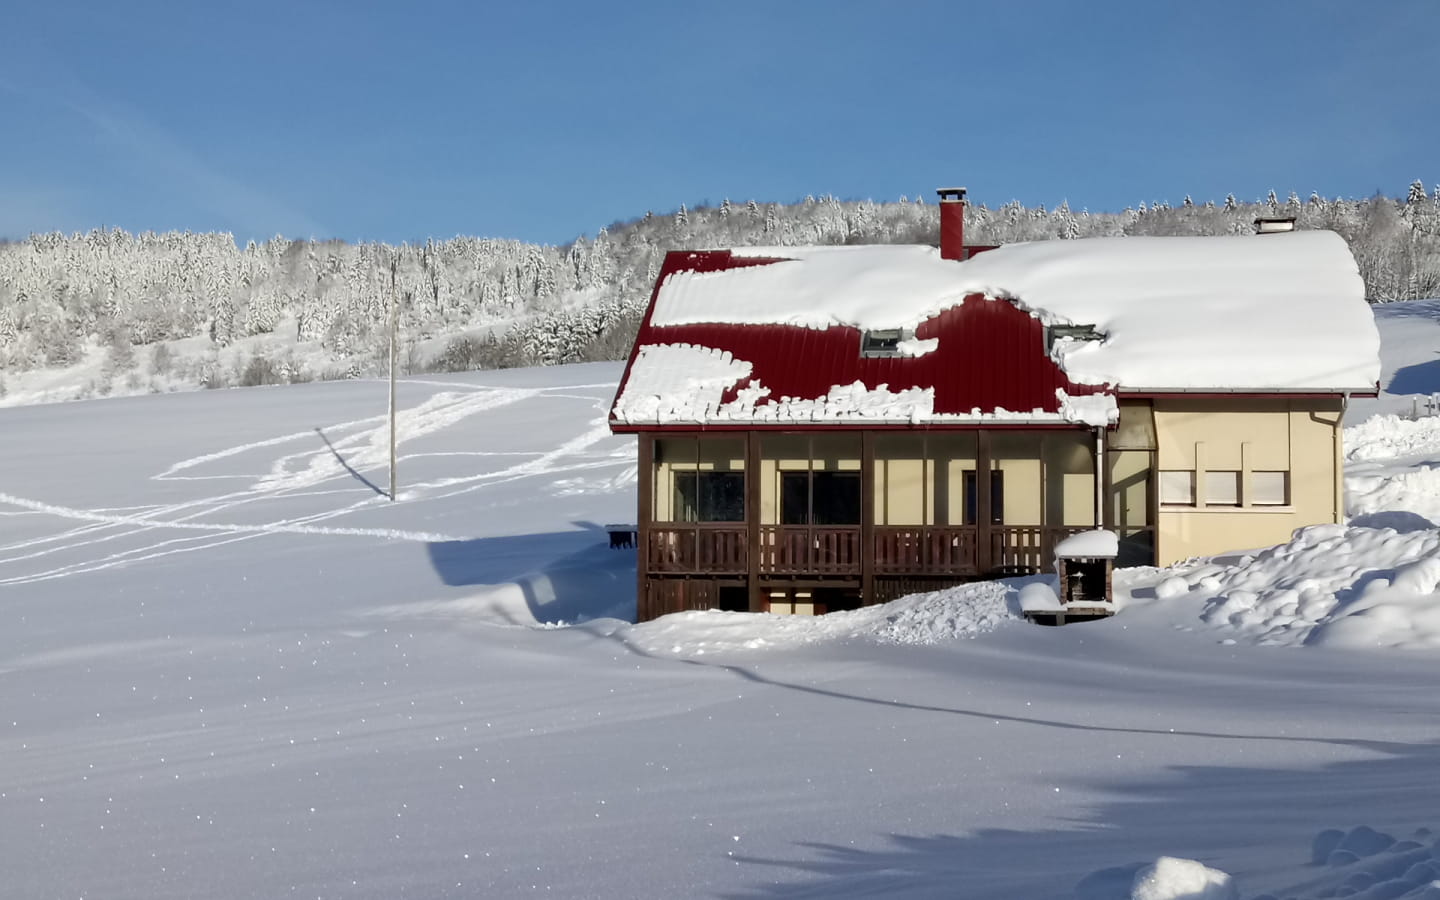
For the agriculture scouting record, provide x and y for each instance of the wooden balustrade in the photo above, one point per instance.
(1027, 547)
(723, 548)
(708, 548)
(927, 549)
(810, 549)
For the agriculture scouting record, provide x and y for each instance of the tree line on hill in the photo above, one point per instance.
(468, 303)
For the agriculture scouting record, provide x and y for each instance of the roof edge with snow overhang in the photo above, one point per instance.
(1221, 315)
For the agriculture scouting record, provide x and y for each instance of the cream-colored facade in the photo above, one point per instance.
(1183, 477)
(1282, 456)
(1045, 478)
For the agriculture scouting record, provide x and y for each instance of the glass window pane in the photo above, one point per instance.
(1270, 488)
(722, 497)
(1222, 488)
(836, 499)
(997, 497)
(795, 498)
(1177, 488)
(686, 506)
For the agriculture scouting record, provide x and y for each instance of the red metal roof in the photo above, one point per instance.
(991, 355)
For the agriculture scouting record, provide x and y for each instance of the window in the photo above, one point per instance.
(881, 342)
(997, 497)
(1056, 333)
(1269, 488)
(1177, 488)
(1222, 488)
(820, 498)
(709, 497)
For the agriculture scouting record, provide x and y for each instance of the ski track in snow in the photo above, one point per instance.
(350, 448)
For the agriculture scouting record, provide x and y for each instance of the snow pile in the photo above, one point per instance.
(678, 381)
(932, 618)
(1166, 305)
(1331, 584)
(1170, 878)
(1365, 863)
(1095, 410)
(1089, 544)
(1393, 464)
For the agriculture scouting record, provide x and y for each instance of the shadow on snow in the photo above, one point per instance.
(569, 576)
(1210, 813)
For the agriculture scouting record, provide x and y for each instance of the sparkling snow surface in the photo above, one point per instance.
(231, 668)
(1224, 313)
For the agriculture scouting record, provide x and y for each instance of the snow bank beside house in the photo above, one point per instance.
(1333, 585)
(932, 618)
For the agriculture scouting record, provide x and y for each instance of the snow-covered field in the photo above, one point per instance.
(229, 667)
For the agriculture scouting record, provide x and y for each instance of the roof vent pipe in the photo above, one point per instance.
(952, 223)
(1274, 224)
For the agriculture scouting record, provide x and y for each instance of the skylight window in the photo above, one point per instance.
(881, 342)
(1056, 333)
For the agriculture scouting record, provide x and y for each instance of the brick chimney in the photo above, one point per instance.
(952, 223)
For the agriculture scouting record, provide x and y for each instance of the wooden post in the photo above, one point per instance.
(645, 474)
(1107, 488)
(984, 561)
(394, 328)
(867, 517)
(752, 520)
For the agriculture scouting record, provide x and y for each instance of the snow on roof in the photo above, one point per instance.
(1282, 312)
(1089, 544)
(683, 383)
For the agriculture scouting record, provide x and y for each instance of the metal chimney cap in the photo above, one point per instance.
(951, 194)
(1274, 224)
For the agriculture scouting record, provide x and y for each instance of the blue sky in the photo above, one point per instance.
(542, 121)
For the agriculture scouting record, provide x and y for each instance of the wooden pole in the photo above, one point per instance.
(394, 323)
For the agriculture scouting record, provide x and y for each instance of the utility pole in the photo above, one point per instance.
(394, 328)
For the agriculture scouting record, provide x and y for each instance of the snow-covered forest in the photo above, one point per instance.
(166, 311)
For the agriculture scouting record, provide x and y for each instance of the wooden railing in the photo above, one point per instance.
(718, 548)
(810, 549)
(928, 549)
(723, 548)
(1027, 547)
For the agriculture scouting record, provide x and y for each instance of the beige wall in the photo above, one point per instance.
(1295, 436)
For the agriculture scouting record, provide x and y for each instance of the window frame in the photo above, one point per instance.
(703, 505)
(1223, 483)
(1161, 488)
(883, 343)
(1255, 494)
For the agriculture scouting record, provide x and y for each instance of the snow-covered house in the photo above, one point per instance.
(825, 427)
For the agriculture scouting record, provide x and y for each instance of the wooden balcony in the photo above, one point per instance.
(810, 550)
(925, 549)
(711, 548)
(1027, 548)
(722, 548)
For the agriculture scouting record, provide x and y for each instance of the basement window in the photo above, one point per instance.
(1056, 333)
(881, 341)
